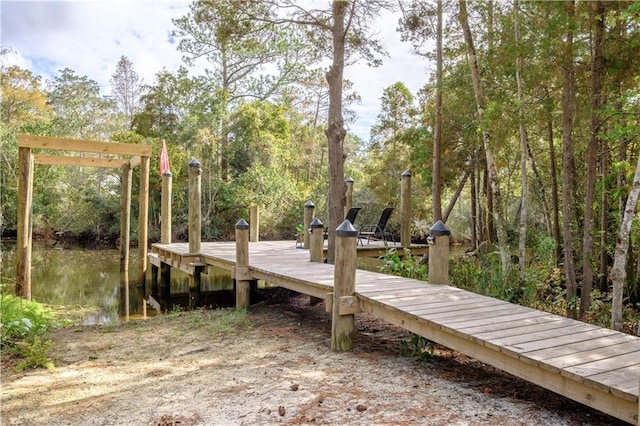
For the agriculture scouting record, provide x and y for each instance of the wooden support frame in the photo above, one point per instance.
(134, 155)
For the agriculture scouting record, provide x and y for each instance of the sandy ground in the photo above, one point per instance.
(183, 369)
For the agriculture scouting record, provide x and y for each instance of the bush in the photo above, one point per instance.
(22, 326)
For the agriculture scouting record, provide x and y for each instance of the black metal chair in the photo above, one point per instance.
(351, 217)
(379, 230)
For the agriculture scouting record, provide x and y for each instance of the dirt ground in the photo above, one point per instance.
(183, 369)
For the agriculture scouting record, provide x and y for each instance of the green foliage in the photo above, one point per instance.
(418, 347)
(407, 266)
(22, 326)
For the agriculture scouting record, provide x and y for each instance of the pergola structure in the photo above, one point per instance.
(120, 155)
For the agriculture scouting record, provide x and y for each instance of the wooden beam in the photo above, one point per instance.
(143, 222)
(41, 142)
(65, 160)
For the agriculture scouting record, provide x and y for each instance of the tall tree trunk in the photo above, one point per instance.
(568, 113)
(619, 270)
(436, 197)
(474, 210)
(598, 16)
(524, 147)
(557, 236)
(491, 165)
(335, 131)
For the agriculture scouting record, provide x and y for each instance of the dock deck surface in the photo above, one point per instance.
(595, 366)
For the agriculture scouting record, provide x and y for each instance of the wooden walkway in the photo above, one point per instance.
(594, 366)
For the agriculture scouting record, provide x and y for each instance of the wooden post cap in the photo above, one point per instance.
(346, 229)
(195, 163)
(242, 224)
(317, 223)
(166, 173)
(406, 173)
(309, 205)
(349, 180)
(439, 229)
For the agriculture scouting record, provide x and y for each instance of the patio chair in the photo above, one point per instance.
(379, 230)
(351, 217)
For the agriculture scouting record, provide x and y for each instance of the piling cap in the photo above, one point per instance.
(242, 224)
(166, 173)
(309, 204)
(406, 173)
(317, 223)
(349, 180)
(438, 229)
(194, 163)
(346, 229)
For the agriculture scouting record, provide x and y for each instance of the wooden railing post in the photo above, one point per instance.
(242, 276)
(405, 205)
(195, 229)
(308, 217)
(165, 212)
(195, 208)
(439, 253)
(348, 195)
(316, 228)
(254, 224)
(344, 287)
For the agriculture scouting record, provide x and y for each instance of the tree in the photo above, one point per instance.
(249, 56)
(126, 89)
(348, 28)
(80, 111)
(486, 140)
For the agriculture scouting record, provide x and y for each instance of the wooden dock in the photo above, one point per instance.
(597, 367)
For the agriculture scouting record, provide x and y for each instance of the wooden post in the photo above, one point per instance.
(315, 251)
(125, 236)
(195, 208)
(23, 241)
(254, 224)
(165, 285)
(405, 205)
(242, 265)
(348, 195)
(195, 281)
(317, 240)
(308, 217)
(344, 286)
(143, 231)
(439, 253)
(165, 213)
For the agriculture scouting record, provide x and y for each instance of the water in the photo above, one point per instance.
(90, 279)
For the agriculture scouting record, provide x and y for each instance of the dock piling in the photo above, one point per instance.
(242, 277)
(344, 287)
(439, 253)
(316, 228)
(308, 217)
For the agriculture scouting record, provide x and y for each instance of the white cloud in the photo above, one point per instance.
(91, 36)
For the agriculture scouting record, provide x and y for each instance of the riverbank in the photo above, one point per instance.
(272, 366)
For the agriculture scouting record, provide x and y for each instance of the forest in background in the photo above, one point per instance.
(528, 122)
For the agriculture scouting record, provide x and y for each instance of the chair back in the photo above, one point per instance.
(384, 217)
(352, 213)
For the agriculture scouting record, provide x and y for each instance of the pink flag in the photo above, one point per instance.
(164, 159)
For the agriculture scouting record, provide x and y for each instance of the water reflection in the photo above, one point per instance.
(91, 279)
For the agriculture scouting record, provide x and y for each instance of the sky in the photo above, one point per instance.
(90, 37)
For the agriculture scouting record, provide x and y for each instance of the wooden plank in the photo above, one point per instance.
(448, 307)
(522, 326)
(603, 365)
(561, 340)
(515, 341)
(65, 160)
(594, 354)
(600, 342)
(592, 397)
(441, 317)
(77, 145)
(420, 297)
(624, 382)
(484, 314)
